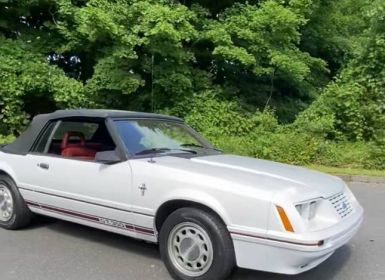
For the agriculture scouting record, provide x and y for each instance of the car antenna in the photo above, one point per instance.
(151, 160)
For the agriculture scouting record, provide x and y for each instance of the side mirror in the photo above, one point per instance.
(107, 157)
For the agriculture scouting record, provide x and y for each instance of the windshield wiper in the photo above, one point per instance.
(186, 150)
(192, 145)
(199, 146)
(162, 150)
(152, 151)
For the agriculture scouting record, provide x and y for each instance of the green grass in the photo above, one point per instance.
(348, 171)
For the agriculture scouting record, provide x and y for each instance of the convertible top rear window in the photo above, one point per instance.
(42, 142)
(88, 129)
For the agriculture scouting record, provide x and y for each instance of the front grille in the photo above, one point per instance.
(342, 204)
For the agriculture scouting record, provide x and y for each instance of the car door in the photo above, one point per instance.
(80, 188)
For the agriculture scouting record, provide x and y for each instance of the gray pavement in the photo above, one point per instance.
(57, 250)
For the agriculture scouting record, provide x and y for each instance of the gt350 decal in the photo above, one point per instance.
(112, 223)
(92, 218)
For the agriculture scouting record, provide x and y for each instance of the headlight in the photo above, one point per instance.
(308, 210)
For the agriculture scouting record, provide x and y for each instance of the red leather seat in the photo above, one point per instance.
(76, 150)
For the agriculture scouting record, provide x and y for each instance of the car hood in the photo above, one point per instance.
(325, 185)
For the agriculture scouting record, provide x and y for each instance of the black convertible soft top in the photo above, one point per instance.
(24, 142)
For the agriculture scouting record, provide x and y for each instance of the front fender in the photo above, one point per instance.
(196, 196)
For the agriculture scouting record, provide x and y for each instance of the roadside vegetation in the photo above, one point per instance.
(348, 171)
(296, 81)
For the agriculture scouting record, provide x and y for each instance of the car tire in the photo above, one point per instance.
(195, 244)
(14, 213)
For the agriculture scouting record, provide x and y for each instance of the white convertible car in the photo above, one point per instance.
(152, 177)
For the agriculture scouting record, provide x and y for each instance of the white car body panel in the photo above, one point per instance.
(125, 198)
(84, 187)
(236, 187)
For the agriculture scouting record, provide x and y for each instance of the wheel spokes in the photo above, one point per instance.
(6, 204)
(191, 249)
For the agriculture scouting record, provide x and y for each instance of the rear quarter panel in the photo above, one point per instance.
(8, 164)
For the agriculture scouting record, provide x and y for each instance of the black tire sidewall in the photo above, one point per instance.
(223, 258)
(21, 214)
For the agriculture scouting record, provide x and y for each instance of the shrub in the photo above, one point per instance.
(315, 137)
(5, 139)
(344, 154)
(214, 116)
(283, 145)
(376, 158)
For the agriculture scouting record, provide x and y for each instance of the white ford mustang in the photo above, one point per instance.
(152, 177)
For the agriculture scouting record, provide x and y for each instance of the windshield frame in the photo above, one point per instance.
(207, 145)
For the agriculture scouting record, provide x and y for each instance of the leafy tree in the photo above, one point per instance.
(256, 52)
(334, 31)
(353, 104)
(234, 69)
(28, 85)
(138, 48)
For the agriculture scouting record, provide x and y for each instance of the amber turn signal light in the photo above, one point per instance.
(285, 220)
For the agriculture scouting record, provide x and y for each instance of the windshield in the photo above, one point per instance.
(148, 136)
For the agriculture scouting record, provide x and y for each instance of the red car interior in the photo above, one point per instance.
(78, 149)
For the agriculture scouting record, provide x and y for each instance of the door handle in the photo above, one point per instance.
(43, 165)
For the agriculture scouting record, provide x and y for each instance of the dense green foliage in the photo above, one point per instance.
(300, 81)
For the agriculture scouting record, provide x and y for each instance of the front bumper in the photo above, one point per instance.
(266, 253)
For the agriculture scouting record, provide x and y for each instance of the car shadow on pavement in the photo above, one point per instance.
(39, 221)
(327, 270)
(106, 238)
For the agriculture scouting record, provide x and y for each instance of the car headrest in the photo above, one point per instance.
(67, 137)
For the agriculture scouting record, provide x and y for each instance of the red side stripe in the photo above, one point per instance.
(92, 218)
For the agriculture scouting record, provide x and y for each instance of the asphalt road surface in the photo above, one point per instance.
(55, 250)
